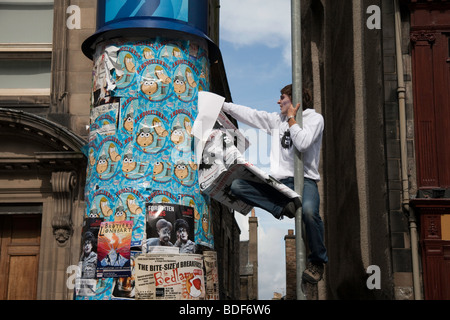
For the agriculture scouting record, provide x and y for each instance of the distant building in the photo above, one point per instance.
(291, 266)
(249, 261)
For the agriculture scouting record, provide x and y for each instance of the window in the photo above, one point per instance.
(26, 30)
(431, 80)
(448, 48)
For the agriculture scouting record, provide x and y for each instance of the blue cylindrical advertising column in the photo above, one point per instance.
(147, 228)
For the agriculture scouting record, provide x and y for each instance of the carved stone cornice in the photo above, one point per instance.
(63, 184)
(425, 36)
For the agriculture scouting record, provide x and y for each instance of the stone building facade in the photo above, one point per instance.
(380, 76)
(44, 116)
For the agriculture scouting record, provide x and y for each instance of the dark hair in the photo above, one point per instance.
(180, 223)
(89, 236)
(307, 97)
(163, 223)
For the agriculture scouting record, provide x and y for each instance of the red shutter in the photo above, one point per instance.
(431, 81)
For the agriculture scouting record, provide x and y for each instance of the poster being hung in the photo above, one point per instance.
(223, 163)
(114, 241)
(170, 226)
(169, 277)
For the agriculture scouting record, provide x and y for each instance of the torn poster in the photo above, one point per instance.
(209, 107)
(211, 116)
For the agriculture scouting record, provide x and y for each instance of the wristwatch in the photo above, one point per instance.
(291, 117)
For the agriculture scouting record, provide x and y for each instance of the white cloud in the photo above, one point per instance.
(250, 22)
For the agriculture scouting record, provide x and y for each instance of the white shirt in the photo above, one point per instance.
(307, 140)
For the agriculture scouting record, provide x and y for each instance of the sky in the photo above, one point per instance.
(255, 42)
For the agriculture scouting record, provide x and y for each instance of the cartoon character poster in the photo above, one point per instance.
(113, 250)
(140, 151)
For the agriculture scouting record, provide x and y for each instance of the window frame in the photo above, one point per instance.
(32, 97)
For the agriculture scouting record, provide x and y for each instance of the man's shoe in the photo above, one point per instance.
(313, 272)
(289, 210)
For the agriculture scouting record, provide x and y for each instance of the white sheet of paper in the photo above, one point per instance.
(209, 106)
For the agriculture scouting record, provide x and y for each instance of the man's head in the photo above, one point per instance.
(182, 228)
(164, 229)
(286, 99)
(89, 242)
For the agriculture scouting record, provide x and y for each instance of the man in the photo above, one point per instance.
(164, 229)
(88, 258)
(86, 285)
(287, 134)
(183, 242)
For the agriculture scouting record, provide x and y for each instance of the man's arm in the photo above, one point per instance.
(254, 118)
(304, 137)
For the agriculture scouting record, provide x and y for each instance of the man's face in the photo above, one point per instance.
(182, 234)
(164, 234)
(87, 246)
(285, 103)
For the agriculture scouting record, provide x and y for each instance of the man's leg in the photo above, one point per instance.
(314, 231)
(259, 195)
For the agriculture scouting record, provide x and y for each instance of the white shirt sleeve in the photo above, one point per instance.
(254, 118)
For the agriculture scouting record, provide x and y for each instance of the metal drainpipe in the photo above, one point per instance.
(401, 90)
(297, 89)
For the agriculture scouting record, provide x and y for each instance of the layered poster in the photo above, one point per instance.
(170, 277)
(86, 281)
(141, 153)
(114, 241)
(170, 228)
(144, 103)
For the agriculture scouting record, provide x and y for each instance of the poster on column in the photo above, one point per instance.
(86, 281)
(114, 241)
(170, 226)
(169, 277)
(140, 152)
(123, 287)
(211, 275)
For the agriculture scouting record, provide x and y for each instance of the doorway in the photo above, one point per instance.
(19, 256)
